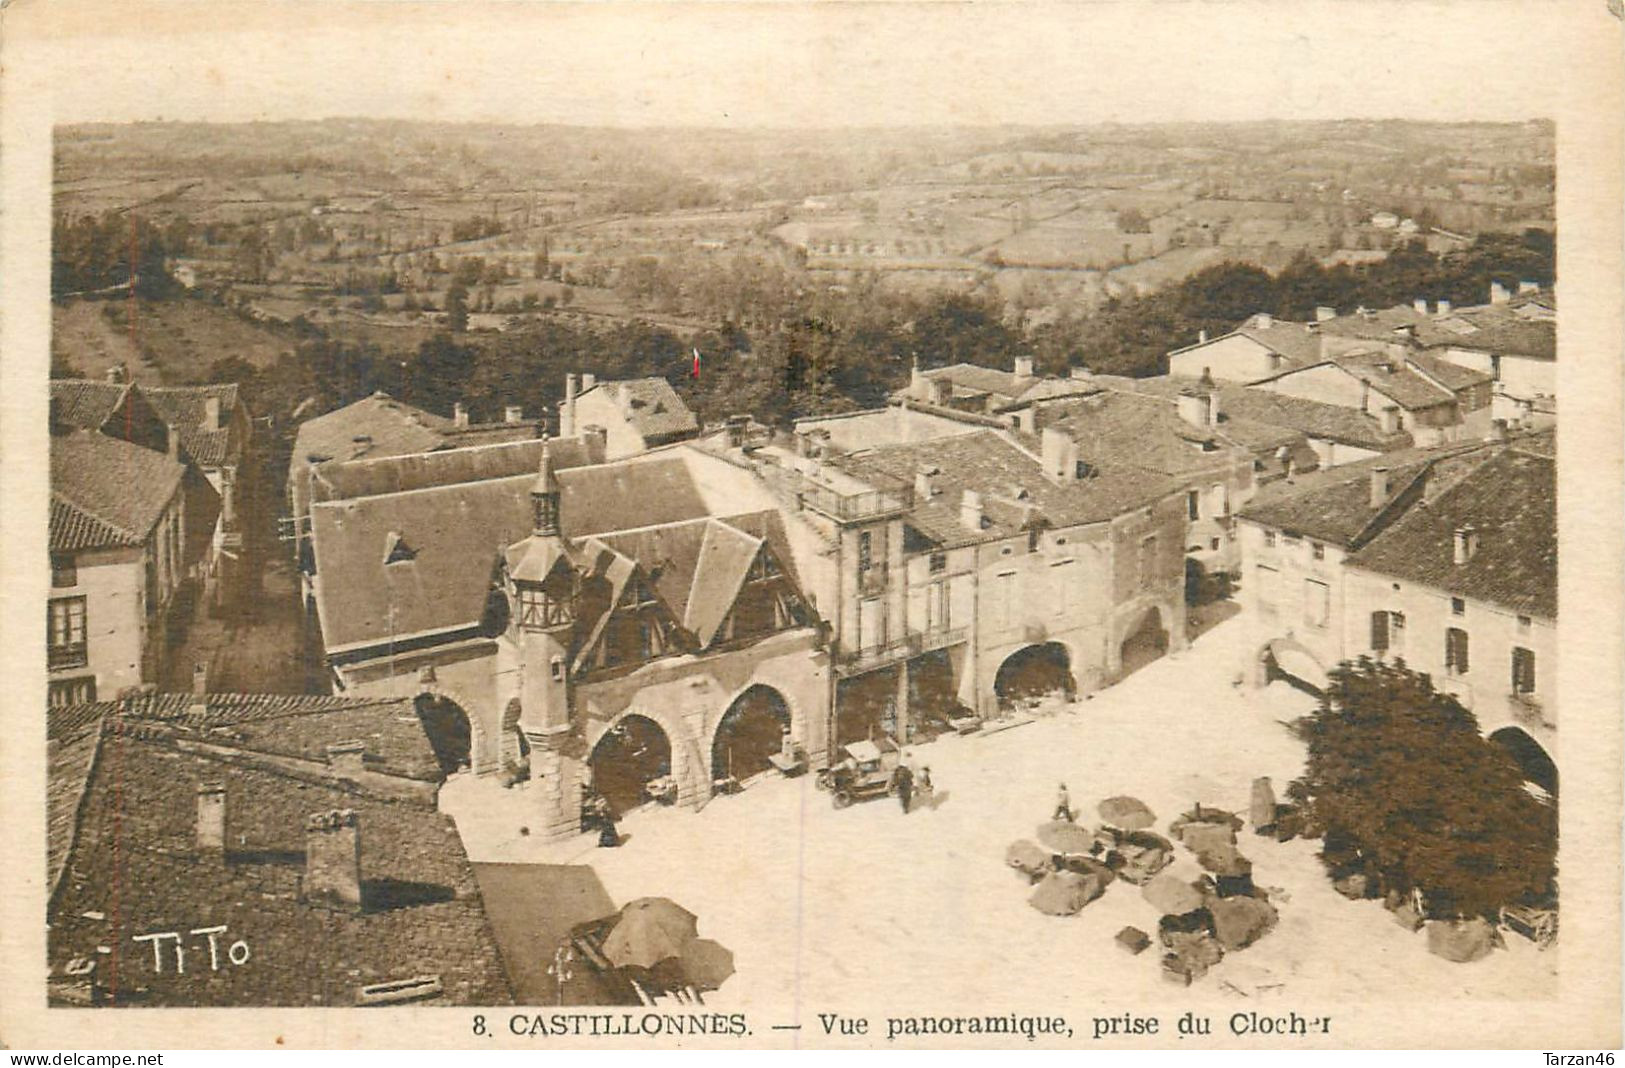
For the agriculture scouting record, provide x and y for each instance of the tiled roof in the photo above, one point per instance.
(70, 756)
(1329, 422)
(456, 533)
(621, 496)
(446, 467)
(1334, 504)
(86, 404)
(1297, 342)
(377, 425)
(134, 869)
(182, 407)
(1450, 375)
(106, 492)
(1511, 501)
(652, 407)
(726, 554)
(1388, 375)
(1010, 481)
(1122, 429)
(474, 434)
(970, 376)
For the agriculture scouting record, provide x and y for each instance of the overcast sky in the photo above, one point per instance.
(830, 64)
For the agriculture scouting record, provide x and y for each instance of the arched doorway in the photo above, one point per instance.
(450, 734)
(1035, 671)
(629, 754)
(749, 732)
(1532, 759)
(1145, 643)
(1291, 663)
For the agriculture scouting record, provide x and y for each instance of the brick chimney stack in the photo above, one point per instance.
(346, 757)
(567, 416)
(211, 413)
(1466, 543)
(1379, 486)
(333, 859)
(970, 510)
(211, 819)
(459, 414)
(513, 413)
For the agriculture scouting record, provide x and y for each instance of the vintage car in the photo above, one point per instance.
(863, 773)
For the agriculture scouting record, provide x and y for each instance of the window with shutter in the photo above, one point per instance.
(1523, 670)
(1379, 632)
(1455, 651)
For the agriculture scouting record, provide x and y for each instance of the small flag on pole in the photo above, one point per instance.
(696, 363)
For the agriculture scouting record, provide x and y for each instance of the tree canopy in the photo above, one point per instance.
(1405, 788)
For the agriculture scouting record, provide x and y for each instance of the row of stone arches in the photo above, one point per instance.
(1284, 660)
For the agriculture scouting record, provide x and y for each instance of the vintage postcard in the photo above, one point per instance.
(812, 525)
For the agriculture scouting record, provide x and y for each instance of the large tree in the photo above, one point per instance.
(1406, 790)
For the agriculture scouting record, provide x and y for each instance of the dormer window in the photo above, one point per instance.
(397, 551)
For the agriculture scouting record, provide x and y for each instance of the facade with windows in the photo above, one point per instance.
(122, 550)
(1448, 561)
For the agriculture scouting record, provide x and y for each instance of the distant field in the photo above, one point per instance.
(183, 337)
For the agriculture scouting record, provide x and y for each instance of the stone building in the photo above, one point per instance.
(634, 414)
(677, 623)
(130, 531)
(969, 571)
(1444, 557)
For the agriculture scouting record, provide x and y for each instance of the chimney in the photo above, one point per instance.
(588, 380)
(1466, 543)
(970, 510)
(1324, 314)
(1193, 407)
(567, 416)
(1024, 367)
(333, 859)
(1059, 455)
(1444, 308)
(200, 679)
(1212, 405)
(211, 819)
(1528, 287)
(597, 442)
(173, 442)
(916, 381)
(1365, 395)
(1390, 419)
(459, 414)
(211, 413)
(1379, 487)
(513, 413)
(1201, 337)
(1420, 305)
(1499, 294)
(925, 483)
(1263, 320)
(1081, 373)
(347, 757)
(115, 374)
(1498, 430)
(737, 425)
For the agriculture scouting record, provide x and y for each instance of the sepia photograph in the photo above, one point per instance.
(809, 525)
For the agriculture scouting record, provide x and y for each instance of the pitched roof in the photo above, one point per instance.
(1011, 482)
(376, 425)
(726, 554)
(446, 467)
(184, 408)
(106, 492)
(131, 868)
(970, 377)
(1298, 342)
(624, 495)
(1334, 504)
(1129, 429)
(86, 404)
(1511, 501)
(1239, 406)
(650, 404)
(456, 533)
